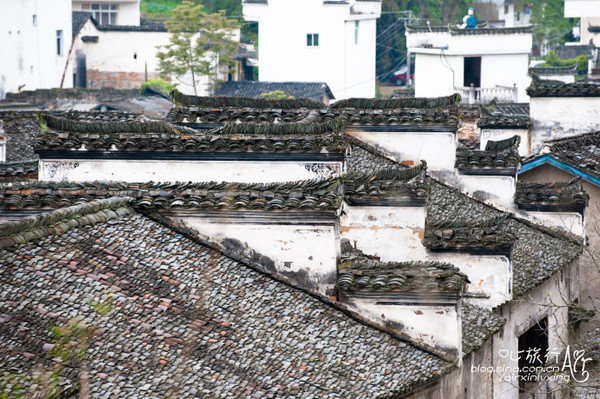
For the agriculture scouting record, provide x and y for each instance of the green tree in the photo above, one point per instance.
(550, 25)
(200, 43)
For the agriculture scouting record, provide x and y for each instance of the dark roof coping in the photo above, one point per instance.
(556, 196)
(555, 70)
(146, 27)
(251, 89)
(242, 102)
(554, 88)
(61, 220)
(397, 103)
(503, 121)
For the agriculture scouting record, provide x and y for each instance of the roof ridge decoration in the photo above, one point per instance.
(360, 272)
(388, 184)
(398, 103)
(489, 235)
(243, 102)
(61, 220)
(112, 127)
(503, 121)
(547, 70)
(499, 157)
(556, 88)
(319, 195)
(491, 30)
(511, 143)
(556, 196)
(64, 134)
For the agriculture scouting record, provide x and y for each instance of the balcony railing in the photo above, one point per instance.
(483, 95)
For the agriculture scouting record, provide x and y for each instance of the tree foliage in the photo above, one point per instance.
(550, 25)
(200, 43)
(581, 61)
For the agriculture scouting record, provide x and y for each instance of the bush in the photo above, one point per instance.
(581, 61)
(157, 86)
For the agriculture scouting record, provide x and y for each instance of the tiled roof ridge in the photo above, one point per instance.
(555, 88)
(497, 120)
(496, 221)
(19, 167)
(555, 69)
(243, 102)
(400, 173)
(397, 103)
(491, 30)
(560, 234)
(62, 220)
(563, 194)
(290, 282)
(74, 126)
(284, 128)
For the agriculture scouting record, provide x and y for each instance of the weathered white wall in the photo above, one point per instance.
(374, 229)
(570, 221)
(490, 276)
(308, 253)
(499, 190)
(434, 77)
(437, 148)
(348, 68)
(29, 52)
(558, 117)
(395, 234)
(437, 326)
(128, 10)
(560, 77)
(507, 70)
(501, 134)
(546, 299)
(195, 171)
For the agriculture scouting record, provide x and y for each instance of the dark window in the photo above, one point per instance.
(312, 39)
(472, 72)
(356, 32)
(533, 348)
(506, 8)
(59, 40)
(34, 19)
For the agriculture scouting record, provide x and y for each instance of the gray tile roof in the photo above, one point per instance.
(79, 18)
(313, 90)
(581, 152)
(240, 102)
(557, 196)
(478, 325)
(173, 317)
(364, 159)
(537, 253)
(511, 109)
(554, 70)
(567, 52)
(482, 29)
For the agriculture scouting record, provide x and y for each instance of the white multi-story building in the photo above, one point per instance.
(589, 12)
(481, 64)
(317, 41)
(111, 12)
(35, 40)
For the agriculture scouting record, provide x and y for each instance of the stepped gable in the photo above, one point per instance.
(558, 196)
(358, 272)
(153, 303)
(537, 252)
(499, 157)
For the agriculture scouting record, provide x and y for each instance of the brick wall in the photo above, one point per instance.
(116, 80)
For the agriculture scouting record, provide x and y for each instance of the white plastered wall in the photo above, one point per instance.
(502, 134)
(194, 171)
